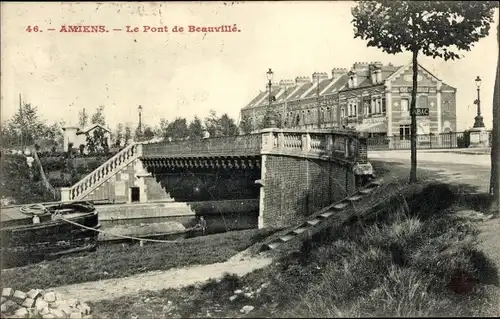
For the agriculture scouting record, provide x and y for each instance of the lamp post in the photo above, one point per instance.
(478, 120)
(140, 114)
(318, 101)
(270, 114)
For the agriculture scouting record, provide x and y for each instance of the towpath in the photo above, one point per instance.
(110, 289)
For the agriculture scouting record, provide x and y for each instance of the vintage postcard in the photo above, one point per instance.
(170, 159)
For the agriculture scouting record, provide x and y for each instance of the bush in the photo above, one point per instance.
(414, 261)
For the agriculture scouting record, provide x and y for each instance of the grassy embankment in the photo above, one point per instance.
(117, 261)
(413, 256)
(19, 184)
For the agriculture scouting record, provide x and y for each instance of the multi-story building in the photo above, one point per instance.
(370, 97)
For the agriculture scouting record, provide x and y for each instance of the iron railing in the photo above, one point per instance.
(424, 141)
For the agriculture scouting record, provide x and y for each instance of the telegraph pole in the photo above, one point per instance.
(22, 122)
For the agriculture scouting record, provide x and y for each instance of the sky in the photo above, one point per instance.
(185, 74)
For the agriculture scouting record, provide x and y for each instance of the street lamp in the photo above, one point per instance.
(270, 115)
(478, 120)
(140, 113)
(318, 101)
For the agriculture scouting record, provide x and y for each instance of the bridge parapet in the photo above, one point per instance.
(338, 145)
(241, 145)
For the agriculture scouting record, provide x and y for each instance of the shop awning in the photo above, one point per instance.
(380, 127)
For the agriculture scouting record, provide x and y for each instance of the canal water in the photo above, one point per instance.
(169, 219)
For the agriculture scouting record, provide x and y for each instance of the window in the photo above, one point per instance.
(404, 106)
(404, 132)
(383, 105)
(366, 108)
(423, 101)
(352, 111)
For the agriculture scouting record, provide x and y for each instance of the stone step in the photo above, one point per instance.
(273, 245)
(376, 182)
(367, 190)
(287, 237)
(313, 222)
(341, 205)
(354, 198)
(270, 246)
(299, 230)
(326, 214)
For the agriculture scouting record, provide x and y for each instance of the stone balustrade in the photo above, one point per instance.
(327, 144)
(345, 146)
(102, 173)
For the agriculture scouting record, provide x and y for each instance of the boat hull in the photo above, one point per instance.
(24, 244)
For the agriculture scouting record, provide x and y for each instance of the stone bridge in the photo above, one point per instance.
(292, 173)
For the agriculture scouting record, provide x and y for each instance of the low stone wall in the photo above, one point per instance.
(41, 304)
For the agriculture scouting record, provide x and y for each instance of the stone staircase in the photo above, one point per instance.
(320, 217)
(101, 174)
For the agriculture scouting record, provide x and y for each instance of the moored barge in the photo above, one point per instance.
(35, 232)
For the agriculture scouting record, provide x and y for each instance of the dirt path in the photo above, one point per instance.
(157, 280)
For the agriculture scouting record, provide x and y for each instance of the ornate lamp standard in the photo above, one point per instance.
(140, 114)
(270, 114)
(478, 120)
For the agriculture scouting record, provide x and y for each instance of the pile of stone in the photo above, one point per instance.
(41, 304)
(247, 293)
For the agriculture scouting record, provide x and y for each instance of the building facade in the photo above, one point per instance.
(370, 97)
(77, 136)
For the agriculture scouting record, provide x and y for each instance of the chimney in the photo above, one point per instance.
(319, 76)
(375, 68)
(300, 80)
(286, 84)
(338, 72)
(361, 66)
(353, 79)
(274, 86)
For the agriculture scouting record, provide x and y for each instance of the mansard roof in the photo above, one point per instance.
(304, 87)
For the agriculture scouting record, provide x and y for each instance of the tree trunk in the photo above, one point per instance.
(413, 113)
(495, 140)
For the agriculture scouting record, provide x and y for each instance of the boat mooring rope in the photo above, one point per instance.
(122, 236)
(34, 210)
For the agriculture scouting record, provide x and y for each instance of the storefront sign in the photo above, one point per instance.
(420, 89)
(422, 111)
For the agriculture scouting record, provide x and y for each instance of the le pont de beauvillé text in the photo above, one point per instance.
(151, 29)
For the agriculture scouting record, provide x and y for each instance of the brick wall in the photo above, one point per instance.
(297, 187)
(448, 111)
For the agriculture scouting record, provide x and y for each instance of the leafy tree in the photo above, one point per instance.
(495, 140)
(432, 28)
(245, 125)
(83, 118)
(97, 141)
(148, 133)
(195, 129)
(212, 124)
(226, 125)
(177, 129)
(98, 116)
(118, 135)
(127, 135)
(25, 126)
(161, 129)
(144, 134)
